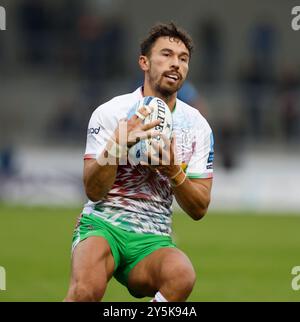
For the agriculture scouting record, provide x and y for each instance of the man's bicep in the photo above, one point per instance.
(88, 163)
(87, 167)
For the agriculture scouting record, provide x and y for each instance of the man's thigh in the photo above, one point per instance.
(92, 260)
(94, 249)
(151, 273)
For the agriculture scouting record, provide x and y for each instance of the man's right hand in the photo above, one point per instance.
(131, 131)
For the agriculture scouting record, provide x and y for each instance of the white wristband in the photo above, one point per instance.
(140, 115)
(175, 175)
(178, 184)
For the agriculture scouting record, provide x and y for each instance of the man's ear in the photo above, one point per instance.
(144, 63)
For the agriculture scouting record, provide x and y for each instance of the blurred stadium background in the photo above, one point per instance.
(59, 60)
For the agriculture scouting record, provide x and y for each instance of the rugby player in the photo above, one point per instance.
(124, 229)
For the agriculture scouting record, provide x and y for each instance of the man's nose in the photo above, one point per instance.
(175, 62)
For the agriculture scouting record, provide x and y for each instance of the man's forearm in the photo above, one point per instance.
(98, 180)
(100, 175)
(193, 198)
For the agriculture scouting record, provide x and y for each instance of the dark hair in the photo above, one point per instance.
(165, 30)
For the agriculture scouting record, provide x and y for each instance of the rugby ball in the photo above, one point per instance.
(160, 111)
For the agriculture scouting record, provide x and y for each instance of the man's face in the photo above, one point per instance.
(168, 65)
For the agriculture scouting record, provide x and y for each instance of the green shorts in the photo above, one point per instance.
(128, 248)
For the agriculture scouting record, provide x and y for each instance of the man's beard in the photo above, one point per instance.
(164, 90)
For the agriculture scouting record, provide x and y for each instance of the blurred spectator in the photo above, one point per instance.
(226, 142)
(67, 13)
(289, 104)
(91, 47)
(35, 20)
(115, 46)
(6, 162)
(225, 131)
(7, 167)
(263, 45)
(210, 41)
(1, 51)
(69, 123)
(100, 43)
(252, 89)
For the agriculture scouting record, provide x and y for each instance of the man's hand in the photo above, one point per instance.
(193, 195)
(100, 174)
(131, 131)
(163, 158)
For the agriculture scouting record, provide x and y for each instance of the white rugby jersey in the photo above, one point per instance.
(140, 200)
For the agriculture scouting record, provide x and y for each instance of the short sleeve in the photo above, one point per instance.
(100, 130)
(201, 162)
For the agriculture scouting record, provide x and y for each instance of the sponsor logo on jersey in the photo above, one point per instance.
(210, 157)
(209, 166)
(93, 130)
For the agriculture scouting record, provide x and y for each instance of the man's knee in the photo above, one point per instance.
(183, 276)
(83, 292)
(178, 282)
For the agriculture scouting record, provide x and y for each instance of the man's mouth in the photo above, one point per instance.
(172, 76)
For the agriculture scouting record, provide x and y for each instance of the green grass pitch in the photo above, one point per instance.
(237, 257)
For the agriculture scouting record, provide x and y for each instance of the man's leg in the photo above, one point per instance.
(166, 270)
(92, 268)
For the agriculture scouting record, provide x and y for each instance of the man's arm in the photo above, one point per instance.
(193, 196)
(97, 179)
(99, 175)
